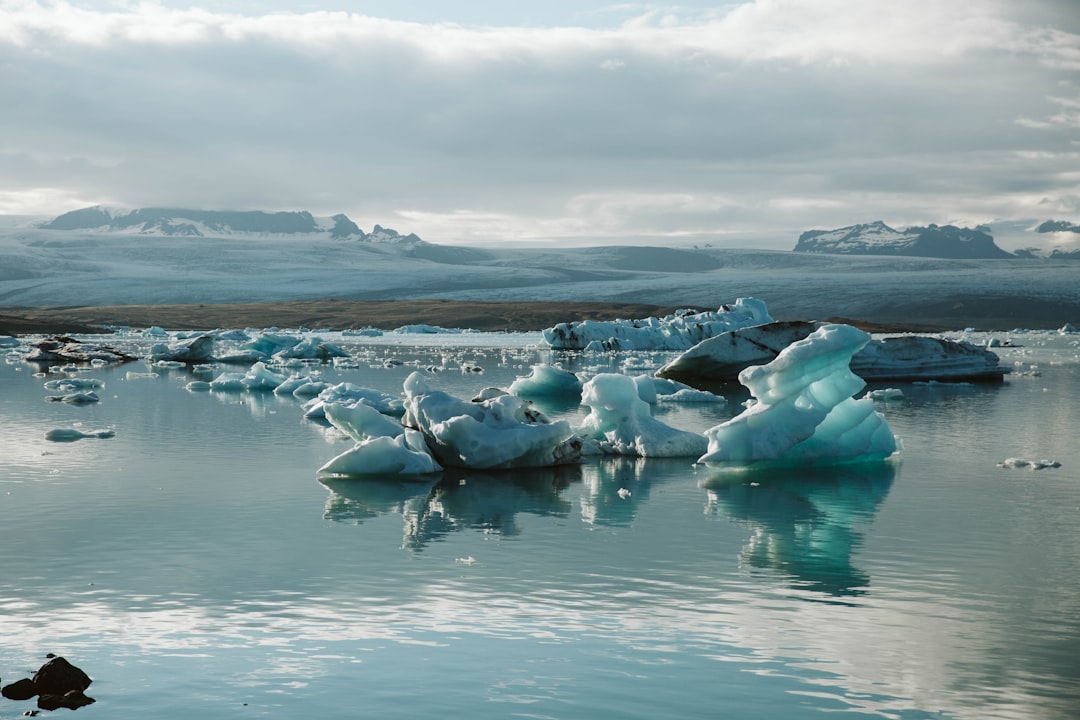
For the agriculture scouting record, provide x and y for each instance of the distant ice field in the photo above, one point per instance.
(52, 268)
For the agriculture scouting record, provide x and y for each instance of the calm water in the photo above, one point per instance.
(194, 566)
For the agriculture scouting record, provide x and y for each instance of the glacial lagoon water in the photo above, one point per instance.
(195, 566)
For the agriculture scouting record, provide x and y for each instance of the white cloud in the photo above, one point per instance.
(770, 115)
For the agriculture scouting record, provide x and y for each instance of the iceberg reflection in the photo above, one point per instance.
(458, 500)
(806, 521)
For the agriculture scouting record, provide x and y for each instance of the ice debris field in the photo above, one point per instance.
(803, 380)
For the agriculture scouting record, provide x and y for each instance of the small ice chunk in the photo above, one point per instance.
(547, 381)
(384, 456)
(622, 423)
(72, 434)
(1016, 463)
(886, 394)
(502, 432)
(76, 398)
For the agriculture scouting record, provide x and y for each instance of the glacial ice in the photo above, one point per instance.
(804, 411)
(71, 434)
(192, 350)
(547, 381)
(621, 423)
(361, 421)
(404, 454)
(903, 358)
(502, 432)
(674, 332)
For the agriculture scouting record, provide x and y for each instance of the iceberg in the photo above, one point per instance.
(404, 454)
(903, 358)
(805, 412)
(69, 350)
(501, 432)
(547, 381)
(724, 356)
(913, 357)
(621, 423)
(193, 350)
(679, 331)
(361, 421)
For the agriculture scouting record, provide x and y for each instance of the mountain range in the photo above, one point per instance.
(877, 238)
(179, 222)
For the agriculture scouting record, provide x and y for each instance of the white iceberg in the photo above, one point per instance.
(804, 412)
(502, 432)
(621, 423)
(680, 331)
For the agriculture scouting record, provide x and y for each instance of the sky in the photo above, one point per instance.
(736, 124)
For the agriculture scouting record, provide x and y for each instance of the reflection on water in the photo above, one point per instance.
(457, 500)
(805, 522)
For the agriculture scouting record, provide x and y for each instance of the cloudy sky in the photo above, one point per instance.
(735, 123)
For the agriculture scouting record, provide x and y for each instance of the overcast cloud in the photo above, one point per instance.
(740, 125)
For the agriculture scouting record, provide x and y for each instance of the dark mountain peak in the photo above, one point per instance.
(877, 238)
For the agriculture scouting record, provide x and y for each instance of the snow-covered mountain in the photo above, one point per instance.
(877, 238)
(180, 222)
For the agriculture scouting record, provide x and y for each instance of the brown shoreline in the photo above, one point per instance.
(355, 314)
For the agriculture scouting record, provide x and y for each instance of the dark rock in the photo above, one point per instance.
(72, 700)
(58, 677)
(20, 690)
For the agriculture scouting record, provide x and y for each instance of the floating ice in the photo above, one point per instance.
(65, 349)
(361, 421)
(71, 434)
(724, 356)
(621, 423)
(1015, 463)
(69, 384)
(262, 379)
(347, 393)
(76, 398)
(908, 357)
(805, 412)
(886, 394)
(547, 381)
(194, 350)
(405, 454)
(674, 332)
(502, 432)
(6, 341)
(913, 357)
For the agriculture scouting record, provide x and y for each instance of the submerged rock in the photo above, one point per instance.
(58, 677)
(20, 690)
